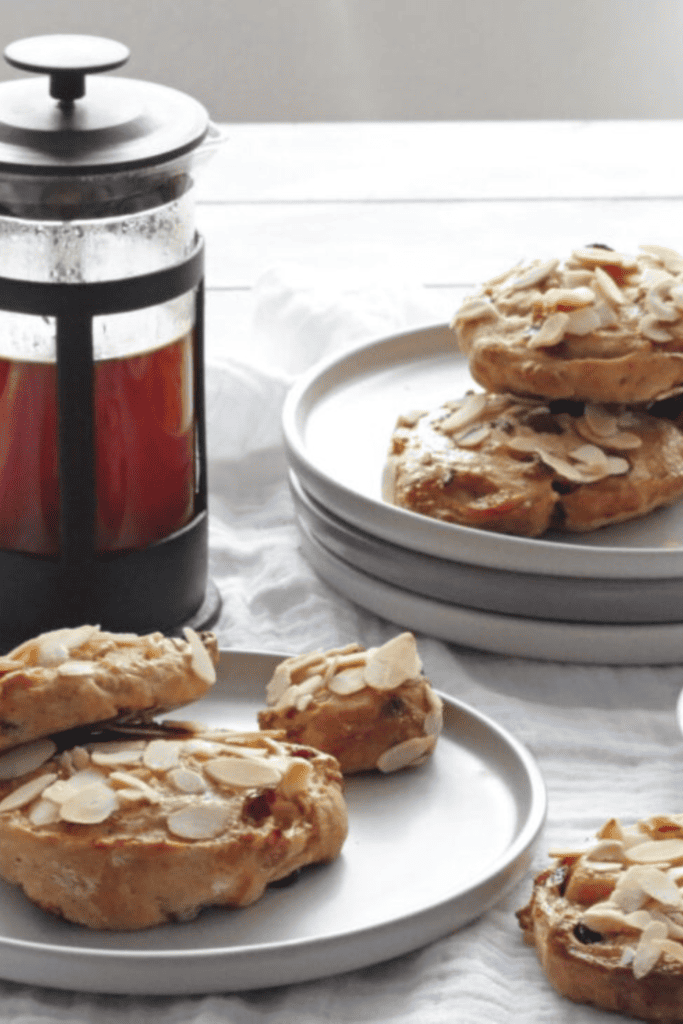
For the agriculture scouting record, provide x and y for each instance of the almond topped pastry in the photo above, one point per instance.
(522, 466)
(128, 833)
(369, 708)
(82, 676)
(607, 921)
(603, 327)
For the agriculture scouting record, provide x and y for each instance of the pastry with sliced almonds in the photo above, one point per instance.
(602, 326)
(521, 466)
(85, 675)
(607, 920)
(371, 709)
(128, 833)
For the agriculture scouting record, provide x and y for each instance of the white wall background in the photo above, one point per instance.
(317, 60)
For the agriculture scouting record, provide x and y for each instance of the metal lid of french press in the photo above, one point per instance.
(83, 124)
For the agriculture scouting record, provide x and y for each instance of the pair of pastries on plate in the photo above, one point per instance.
(114, 820)
(572, 357)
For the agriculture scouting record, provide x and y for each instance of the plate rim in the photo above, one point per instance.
(420, 533)
(512, 862)
(588, 643)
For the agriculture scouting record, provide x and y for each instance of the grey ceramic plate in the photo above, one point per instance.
(428, 850)
(581, 642)
(533, 595)
(337, 422)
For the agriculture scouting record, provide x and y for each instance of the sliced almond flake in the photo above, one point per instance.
(52, 653)
(64, 789)
(122, 754)
(303, 701)
(433, 722)
(278, 683)
(658, 305)
(351, 660)
(200, 658)
(73, 669)
(80, 758)
(296, 778)
(393, 663)
(594, 257)
(648, 949)
(653, 331)
(472, 407)
(676, 294)
(640, 919)
(601, 422)
(201, 747)
(475, 436)
(535, 274)
(607, 849)
(26, 758)
(583, 321)
(672, 260)
(576, 298)
(609, 287)
(243, 772)
(405, 754)
(475, 309)
(605, 313)
(186, 780)
(160, 755)
(551, 331)
(661, 888)
(608, 920)
(671, 948)
(352, 680)
(674, 929)
(657, 851)
(43, 812)
(611, 830)
(26, 793)
(90, 805)
(200, 821)
(130, 781)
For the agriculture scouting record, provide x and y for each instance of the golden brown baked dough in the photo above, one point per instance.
(81, 676)
(607, 922)
(603, 327)
(368, 708)
(132, 833)
(523, 467)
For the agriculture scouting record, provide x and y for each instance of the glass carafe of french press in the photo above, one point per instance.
(103, 514)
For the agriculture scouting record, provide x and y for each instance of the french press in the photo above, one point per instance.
(103, 483)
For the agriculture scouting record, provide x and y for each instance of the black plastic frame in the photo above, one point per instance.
(156, 587)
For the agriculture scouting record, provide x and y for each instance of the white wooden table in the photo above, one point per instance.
(446, 204)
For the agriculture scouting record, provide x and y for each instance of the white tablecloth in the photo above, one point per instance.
(606, 739)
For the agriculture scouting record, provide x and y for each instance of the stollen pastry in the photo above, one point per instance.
(368, 708)
(522, 466)
(607, 921)
(603, 326)
(81, 676)
(130, 833)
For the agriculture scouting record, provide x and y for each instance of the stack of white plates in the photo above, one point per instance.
(614, 596)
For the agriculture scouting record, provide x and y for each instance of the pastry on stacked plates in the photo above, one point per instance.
(572, 357)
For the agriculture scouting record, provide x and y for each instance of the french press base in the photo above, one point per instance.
(161, 586)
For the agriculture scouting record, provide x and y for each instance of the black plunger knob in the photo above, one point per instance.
(67, 59)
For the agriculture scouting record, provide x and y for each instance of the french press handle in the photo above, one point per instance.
(67, 59)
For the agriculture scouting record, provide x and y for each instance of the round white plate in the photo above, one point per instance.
(499, 634)
(428, 850)
(337, 422)
(532, 595)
